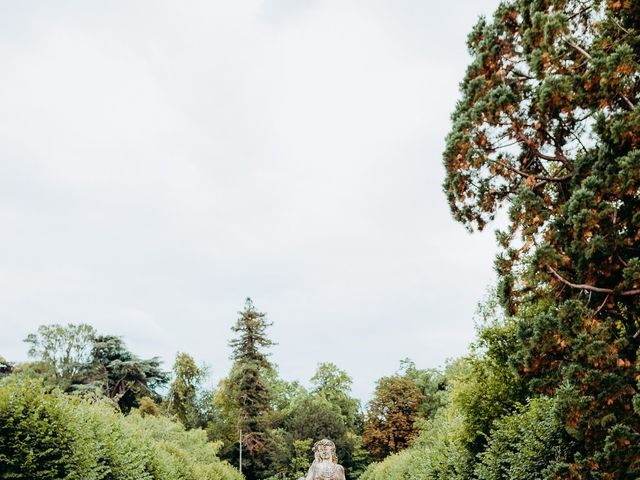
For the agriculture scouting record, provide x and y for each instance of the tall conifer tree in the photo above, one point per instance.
(549, 125)
(248, 385)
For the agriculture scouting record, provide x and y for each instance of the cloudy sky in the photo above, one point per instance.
(161, 161)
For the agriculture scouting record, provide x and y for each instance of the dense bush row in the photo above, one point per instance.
(490, 426)
(521, 446)
(49, 435)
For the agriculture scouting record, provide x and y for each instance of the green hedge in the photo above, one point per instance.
(437, 454)
(60, 437)
(529, 444)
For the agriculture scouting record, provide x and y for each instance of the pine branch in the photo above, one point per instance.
(586, 54)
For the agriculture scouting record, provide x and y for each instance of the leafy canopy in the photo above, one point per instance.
(549, 127)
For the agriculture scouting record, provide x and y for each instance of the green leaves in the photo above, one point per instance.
(527, 445)
(183, 397)
(61, 437)
(549, 125)
(66, 348)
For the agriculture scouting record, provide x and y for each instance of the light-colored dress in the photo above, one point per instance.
(325, 471)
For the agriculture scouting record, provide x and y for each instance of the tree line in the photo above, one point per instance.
(255, 421)
(548, 130)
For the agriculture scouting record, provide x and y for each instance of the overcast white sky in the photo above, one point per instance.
(161, 161)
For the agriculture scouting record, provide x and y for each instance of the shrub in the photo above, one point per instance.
(527, 445)
(55, 436)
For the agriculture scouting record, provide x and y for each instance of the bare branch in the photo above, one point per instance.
(577, 14)
(606, 299)
(578, 48)
(628, 102)
(621, 27)
(537, 177)
(591, 288)
(560, 157)
(622, 260)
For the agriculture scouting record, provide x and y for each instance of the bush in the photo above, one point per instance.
(41, 437)
(527, 445)
(438, 453)
(55, 436)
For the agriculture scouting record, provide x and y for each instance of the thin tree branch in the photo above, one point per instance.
(622, 261)
(591, 288)
(577, 14)
(606, 299)
(621, 27)
(628, 102)
(560, 157)
(578, 48)
(537, 177)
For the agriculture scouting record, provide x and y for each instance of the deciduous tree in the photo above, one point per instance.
(390, 422)
(334, 385)
(182, 399)
(65, 348)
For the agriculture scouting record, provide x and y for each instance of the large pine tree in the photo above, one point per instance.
(549, 125)
(248, 386)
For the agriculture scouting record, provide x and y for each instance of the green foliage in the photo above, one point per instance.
(472, 395)
(437, 454)
(75, 359)
(41, 371)
(55, 436)
(530, 444)
(300, 462)
(283, 392)
(328, 411)
(65, 348)
(118, 374)
(432, 384)
(334, 385)
(5, 367)
(182, 399)
(247, 388)
(485, 385)
(180, 453)
(548, 125)
(297, 417)
(148, 407)
(39, 437)
(315, 417)
(223, 420)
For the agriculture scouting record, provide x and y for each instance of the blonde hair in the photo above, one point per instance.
(325, 442)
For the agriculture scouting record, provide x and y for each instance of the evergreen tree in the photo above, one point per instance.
(5, 367)
(119, 374)
(249, 387)
(549, 125)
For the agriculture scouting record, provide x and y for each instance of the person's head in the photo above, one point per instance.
(325, 449)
